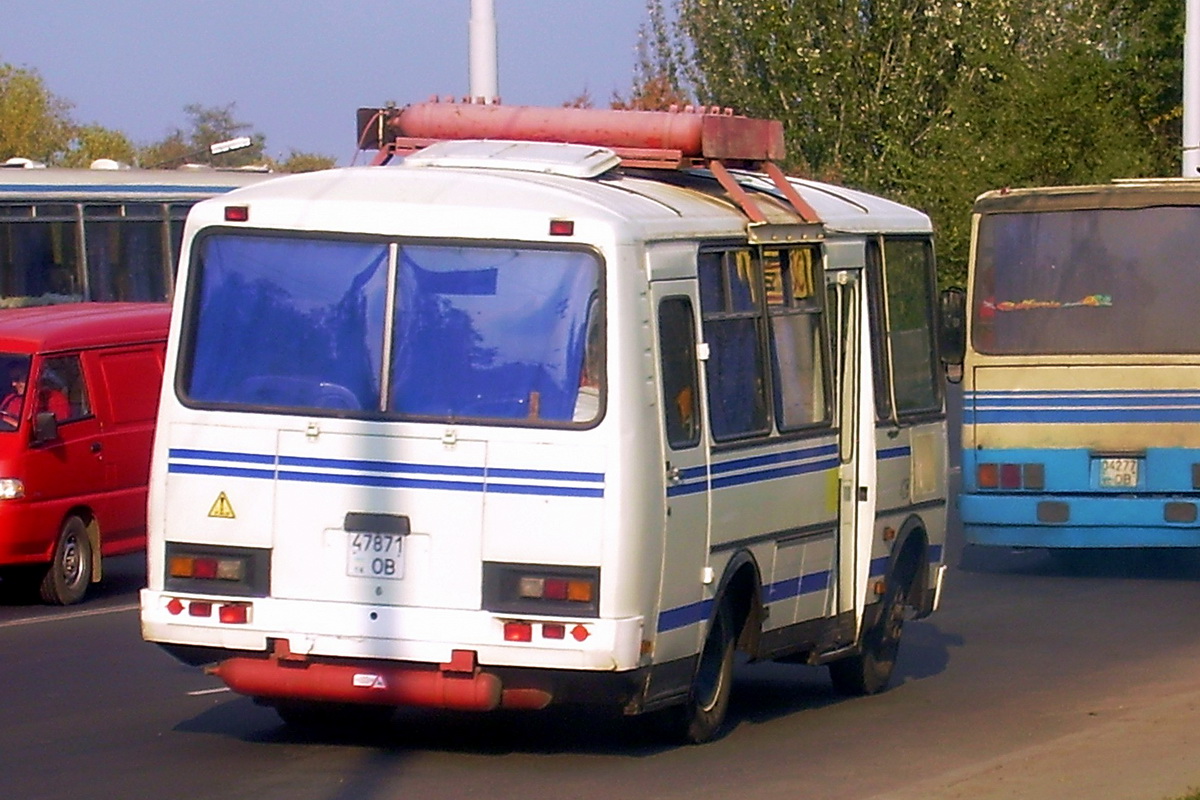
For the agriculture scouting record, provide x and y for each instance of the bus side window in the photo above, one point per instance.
(680, 381)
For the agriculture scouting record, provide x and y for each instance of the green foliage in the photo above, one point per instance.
(209, 125)
(91, 142)
(935, 101)
(33, 122)
(304, 162)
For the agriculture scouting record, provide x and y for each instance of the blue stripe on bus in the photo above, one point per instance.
(384, 474)
(695, 479)
(681, 617)
(116, 188)
(1085, 406)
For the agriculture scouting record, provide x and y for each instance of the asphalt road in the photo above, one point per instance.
(1014, 686)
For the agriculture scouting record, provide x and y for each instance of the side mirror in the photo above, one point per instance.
(952, 331)
(45, 427)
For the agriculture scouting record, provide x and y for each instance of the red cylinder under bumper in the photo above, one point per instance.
(449, 687)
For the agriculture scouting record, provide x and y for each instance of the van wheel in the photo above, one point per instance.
(869, 671)
(67, 578)
(701, 717)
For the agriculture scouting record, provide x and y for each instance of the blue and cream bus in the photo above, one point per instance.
(1082, 376)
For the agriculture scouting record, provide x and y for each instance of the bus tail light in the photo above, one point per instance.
(1031, 476)
(541, 589)
(216, 569)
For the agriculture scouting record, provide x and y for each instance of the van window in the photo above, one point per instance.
(61, 389)
(681, 383)
(14, 376)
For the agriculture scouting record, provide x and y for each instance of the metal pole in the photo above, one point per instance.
(483, 67)
(1191, 90)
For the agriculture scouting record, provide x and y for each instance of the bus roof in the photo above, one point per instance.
(63, 184)
(1126, 193)
(438, 194)
(81, 325)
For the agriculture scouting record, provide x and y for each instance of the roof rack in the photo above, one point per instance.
(704, 137)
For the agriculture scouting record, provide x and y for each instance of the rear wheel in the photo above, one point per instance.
(870, 671)
(66, 579)
(701, 717)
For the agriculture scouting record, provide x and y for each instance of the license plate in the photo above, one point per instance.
(375, 555)
(1119, 473)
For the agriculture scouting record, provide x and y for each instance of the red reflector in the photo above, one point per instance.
(200, 608)
(554, 631)
(580, 633)
(1010, 476)
(234, 613)
(175, 606)
(562, 227)
(518, 632)
(237, 213)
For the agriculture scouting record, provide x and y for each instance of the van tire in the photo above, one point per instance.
(67, 578)
(702, 715)
(870, 671)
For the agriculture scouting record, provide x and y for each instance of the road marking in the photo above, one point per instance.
(91, 612)
(202, 692)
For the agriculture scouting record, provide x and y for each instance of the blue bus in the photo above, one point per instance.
(1082, 373)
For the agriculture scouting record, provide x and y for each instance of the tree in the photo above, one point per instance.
(33, 122)
(304, 162)
(209, 125)
(934, 101)
(91, 142)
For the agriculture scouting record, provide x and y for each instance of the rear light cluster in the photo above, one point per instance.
(226, 613)
(541, 589)
(207, 568)
(1011, 476)
(217, 569)
(573, 591)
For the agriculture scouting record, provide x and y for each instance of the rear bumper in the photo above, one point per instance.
(1027, 520)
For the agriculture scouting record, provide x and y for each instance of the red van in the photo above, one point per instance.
(79, 388)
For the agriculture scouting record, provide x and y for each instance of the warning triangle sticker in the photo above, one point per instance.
(221, 508)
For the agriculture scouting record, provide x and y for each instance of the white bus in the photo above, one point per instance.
(506, 423)
(72, 235)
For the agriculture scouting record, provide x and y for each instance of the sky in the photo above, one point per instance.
(297, 71)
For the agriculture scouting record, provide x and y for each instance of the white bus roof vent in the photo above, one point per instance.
(553, 158)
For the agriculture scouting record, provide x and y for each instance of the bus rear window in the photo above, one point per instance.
(1087, 281)
(440, 332)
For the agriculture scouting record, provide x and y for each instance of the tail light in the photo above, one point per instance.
(541, 589)
(214, 569)
(1031, 476)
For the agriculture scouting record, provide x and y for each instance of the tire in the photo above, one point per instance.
(66, 579)
(870, 671)
(332, 717)
(702, 715)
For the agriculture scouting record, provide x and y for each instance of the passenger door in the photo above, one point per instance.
(856, 448)
(682, 608)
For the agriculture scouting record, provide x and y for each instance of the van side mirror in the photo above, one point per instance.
(45, 427)
(952, 331)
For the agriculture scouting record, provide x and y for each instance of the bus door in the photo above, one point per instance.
(856, 454)
(683, 608)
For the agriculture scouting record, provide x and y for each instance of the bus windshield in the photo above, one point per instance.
(1087, 281)
(381, 328)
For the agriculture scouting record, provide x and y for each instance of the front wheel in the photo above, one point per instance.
(67, 578)
(870, 671)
